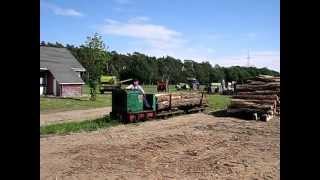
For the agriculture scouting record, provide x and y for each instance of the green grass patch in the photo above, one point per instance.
(73, 127)
(65, 104)
(218, 102)
(153, 88)
(56, 104)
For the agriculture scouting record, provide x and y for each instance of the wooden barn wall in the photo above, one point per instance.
(71, 90)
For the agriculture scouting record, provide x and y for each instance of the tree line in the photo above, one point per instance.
(150, 69)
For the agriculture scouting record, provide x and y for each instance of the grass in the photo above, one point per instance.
(61, 104)
(83, 126)
(153, 88)
(218, 102)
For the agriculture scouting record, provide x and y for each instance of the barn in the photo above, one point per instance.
(60, 73)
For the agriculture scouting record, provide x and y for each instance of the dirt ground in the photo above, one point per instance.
(196, 146)
(75, 115)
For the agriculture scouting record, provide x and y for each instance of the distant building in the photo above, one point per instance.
(60, 73)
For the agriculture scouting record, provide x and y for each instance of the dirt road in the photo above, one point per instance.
(194, 146)
(75, 115)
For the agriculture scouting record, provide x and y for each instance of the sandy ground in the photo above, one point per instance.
(196, 146)
(75, 115)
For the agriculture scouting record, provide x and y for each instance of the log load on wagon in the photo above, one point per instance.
(260, 97)
(178, 100)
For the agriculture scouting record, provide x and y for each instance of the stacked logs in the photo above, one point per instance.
(176, 100)
(260, 96)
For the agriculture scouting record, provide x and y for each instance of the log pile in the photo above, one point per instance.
(176, 100)
(260, 96)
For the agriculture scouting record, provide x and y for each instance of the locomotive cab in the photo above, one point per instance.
(127, 105)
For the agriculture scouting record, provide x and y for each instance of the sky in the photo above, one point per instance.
(223, 32)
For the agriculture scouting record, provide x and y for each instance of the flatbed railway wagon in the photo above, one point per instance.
(128, 107)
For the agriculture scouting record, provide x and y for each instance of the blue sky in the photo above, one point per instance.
(219, 31)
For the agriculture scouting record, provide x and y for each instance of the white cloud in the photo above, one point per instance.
(139, 19)
(61, 11)
(67, 12)
(158, 40)
(156, 36)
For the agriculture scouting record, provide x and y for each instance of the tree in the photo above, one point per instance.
(217, 74)
(202, 71)
(95, 57)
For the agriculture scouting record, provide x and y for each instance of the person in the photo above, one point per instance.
(136, 86)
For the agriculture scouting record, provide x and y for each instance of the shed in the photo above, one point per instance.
(60, 72)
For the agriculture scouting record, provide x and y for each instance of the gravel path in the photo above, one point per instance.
(75, 115)
(196, 146)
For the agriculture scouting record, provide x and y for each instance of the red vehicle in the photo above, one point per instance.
(162, 86)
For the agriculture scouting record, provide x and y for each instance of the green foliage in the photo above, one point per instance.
(95, 57)
(153, 88)
(217, 74)
(202, 71)
(72, 127)
(150, 69)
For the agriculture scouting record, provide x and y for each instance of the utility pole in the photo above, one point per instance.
(248, 59)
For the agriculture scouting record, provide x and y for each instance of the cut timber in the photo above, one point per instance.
(166, 97)
(269, 102)
(173, 100)
(252, 89)
(266, 92)
(249, 105)
(265, 117)
(262, 108)
(245, 110)
(271, 113)
(259, 97)
(267, 79)
(184, 94)
(260, 83)
(253, 82)
(252, 108)
(248, 87)
(244, 113)
(179, 103)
